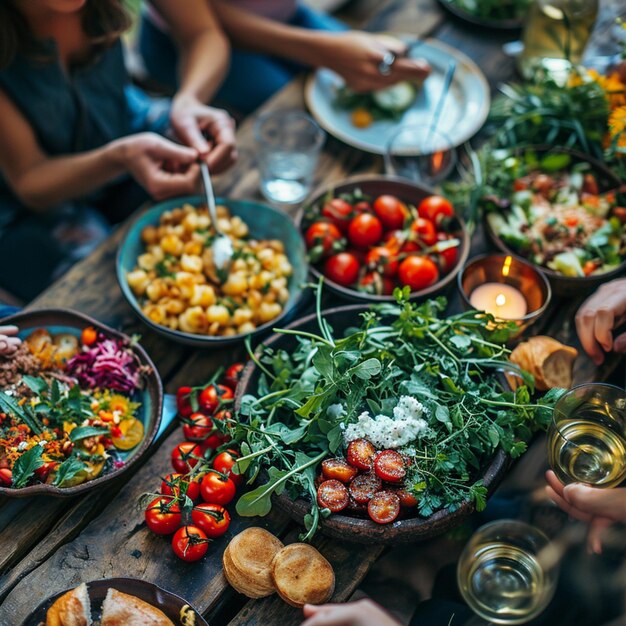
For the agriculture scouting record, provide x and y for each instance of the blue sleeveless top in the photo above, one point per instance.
(84, 110)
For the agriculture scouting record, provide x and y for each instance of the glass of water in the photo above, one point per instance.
(507, 573)
(419, 153)
(289, 144)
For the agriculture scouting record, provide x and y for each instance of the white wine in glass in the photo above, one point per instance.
(506, 573)
(587, 437)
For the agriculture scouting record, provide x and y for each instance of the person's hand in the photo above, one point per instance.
(356, 56)
(599, 507)
(162, 167)
(210, 131)
(598, 316)
(360, 613)
(9, 342)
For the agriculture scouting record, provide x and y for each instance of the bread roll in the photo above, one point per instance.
(550, 362)
(121, 609)
(71, 609)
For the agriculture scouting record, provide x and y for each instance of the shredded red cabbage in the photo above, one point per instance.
(108, 364)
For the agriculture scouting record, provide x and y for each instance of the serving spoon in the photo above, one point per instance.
(222, 246)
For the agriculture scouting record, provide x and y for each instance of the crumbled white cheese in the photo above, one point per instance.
(42, 443)
(22, 445)
(383, 431)
(222, 251)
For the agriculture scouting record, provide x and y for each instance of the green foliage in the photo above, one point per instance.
(26, 465)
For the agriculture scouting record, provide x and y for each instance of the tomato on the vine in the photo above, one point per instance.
(184, 456)
(418, 272)
(217, 489)
(217, 438)
(211, 397)
(390, 211)
(363, 206)
(449, 256)
(197, 427)
(323, 235)
(177, 484)
(382, 260)
(425, 231)
(183, 401)
(163, 516)
(365, 230)
(339, 212)
(224, 462)
(233, 375)
(190, 543)
(213, 519)
(342, 268)
(435, 208)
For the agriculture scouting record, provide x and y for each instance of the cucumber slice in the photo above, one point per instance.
(397, 98)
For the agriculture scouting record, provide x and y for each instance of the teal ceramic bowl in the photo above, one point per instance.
(264, 222)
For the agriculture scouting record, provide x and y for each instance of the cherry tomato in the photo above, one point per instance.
(342, 268)
(363, 206)
(217, 438)
(6, 477)
(435, 208)
(233, 375)
(183, 401)
(211, 397)
(43, 471)
(590, 184)
(323, 235)
(383, 260)
(163, 516)
(197, 427)
(390, 211)
(89, 336)
(190, 543)
(338, 469)
(372, 282)
(213, 519)
(333, 495)
(389, 466)
(449, 258)
(418, 272)
(407, 499)
(425, 231)
(176, 484)
(339, 212)
(361, 454)
(365, 230)
(364, 486)
(224, 462)
(384, 507)
(183, 456)
(217, 489)
(519, 184)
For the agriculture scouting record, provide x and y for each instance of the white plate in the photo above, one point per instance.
(464, 113)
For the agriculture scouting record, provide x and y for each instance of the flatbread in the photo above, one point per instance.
(71, 609)
(122, 609)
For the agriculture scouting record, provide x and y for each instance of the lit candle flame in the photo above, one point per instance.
(506, 267)
(500, 299)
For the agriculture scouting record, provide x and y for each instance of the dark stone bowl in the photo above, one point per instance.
(356, 529)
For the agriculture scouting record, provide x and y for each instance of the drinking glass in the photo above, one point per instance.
(507, 572)
(420, 154)
(289, 144)
(587, 436)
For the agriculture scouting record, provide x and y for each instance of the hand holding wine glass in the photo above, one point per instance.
(599, 507)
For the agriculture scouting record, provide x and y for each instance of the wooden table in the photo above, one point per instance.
(48, 545)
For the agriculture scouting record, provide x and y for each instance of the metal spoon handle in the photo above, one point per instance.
(447, 82)
(210, 196)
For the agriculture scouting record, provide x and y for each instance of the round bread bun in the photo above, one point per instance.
(71, 609)
(244, 582)
(121, 609)
(302, 575)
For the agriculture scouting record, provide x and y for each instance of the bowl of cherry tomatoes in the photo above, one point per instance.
(371, 234)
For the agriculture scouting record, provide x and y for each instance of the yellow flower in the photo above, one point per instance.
(616, 91)
(617, 121)
(119, 403)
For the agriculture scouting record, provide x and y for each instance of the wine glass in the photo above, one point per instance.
(419, 153)
(507, 573)
(587, 436)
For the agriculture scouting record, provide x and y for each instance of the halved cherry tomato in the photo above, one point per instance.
(425, 231)
(383, 260)
(342, 268)
(435, 208)
(6, 477)
(332, 495)
(183, 401)
(163, 516)
(217, 489)
(197, 427)
(418, 272)
(384, 507)
(212, 396)
(365, 230)
(389, 466)
(364, 486)
(89, 336)
(323, 236)
(217, 438)
(361, 454)
(407, 499)
(177, 485)
(233, 375)
(339, 212)
(190, 543)
(338, 469)
(224, 462)
(184, 456)
(213, 519)
(390, 211)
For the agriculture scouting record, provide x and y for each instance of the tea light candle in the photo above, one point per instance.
(501, 300)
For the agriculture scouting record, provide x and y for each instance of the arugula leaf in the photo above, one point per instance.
(367, 369)
(9, 405)
(259, 500)
(38, 385)
(82, 432)
(25, 466)
(68, 470)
